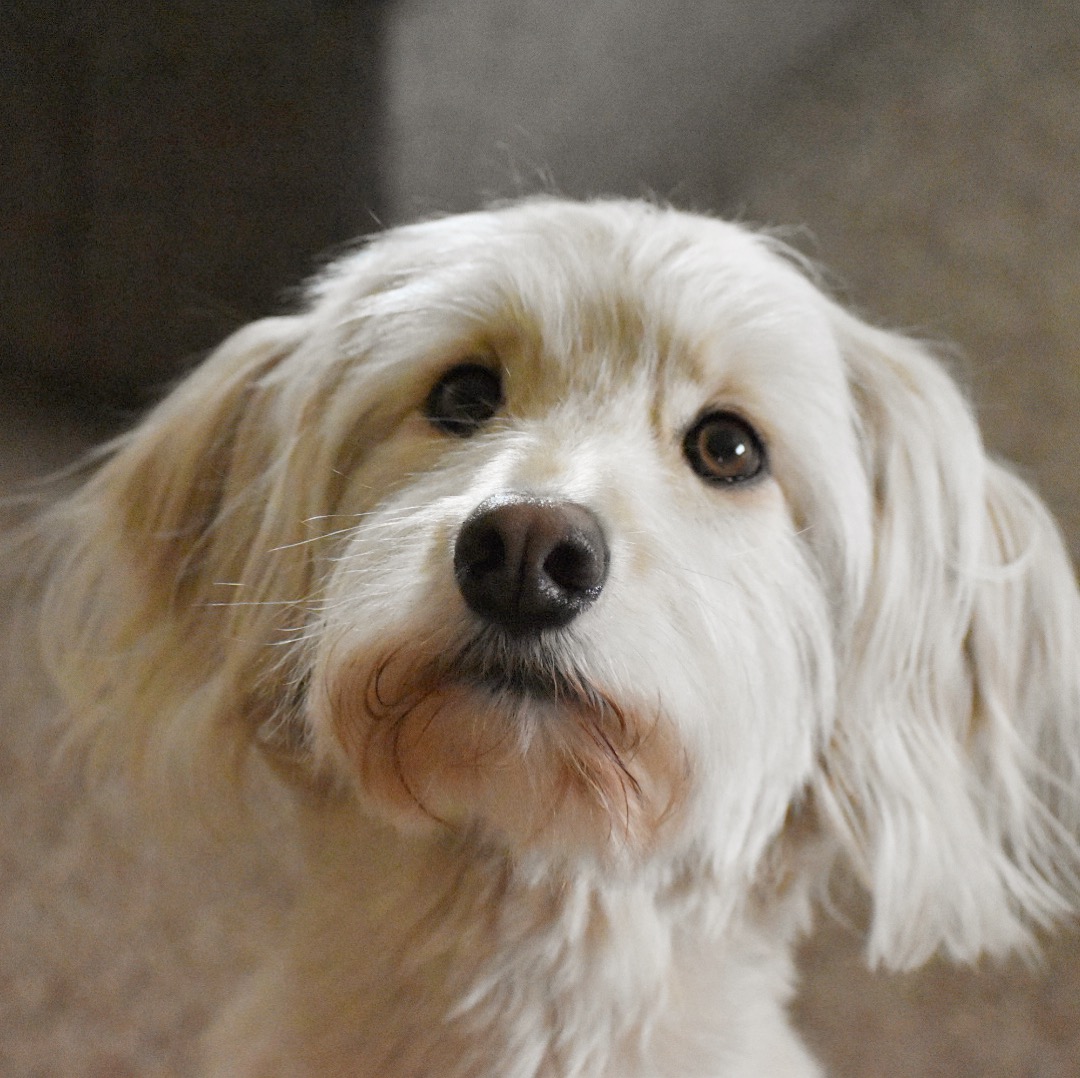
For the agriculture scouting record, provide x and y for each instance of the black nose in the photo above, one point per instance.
(528, 564)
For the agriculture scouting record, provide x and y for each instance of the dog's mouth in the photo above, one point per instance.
(501, 673)
(507, 731)
(512, 671)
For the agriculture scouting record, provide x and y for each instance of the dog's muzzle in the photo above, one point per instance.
(528, 564)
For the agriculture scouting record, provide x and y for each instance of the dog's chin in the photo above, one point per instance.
(503, 736)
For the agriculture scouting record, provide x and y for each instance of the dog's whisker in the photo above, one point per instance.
(310, 540)
(252, 602)
(319, 518)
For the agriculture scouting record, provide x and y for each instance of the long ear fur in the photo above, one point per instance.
(953, 772)
(162, 559)
(180, 580)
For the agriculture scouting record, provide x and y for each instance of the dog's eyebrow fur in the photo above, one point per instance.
(549, 287)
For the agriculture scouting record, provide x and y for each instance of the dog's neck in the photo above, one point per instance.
(441, 954)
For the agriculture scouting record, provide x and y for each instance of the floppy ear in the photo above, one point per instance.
(953, 772)
(160, 592)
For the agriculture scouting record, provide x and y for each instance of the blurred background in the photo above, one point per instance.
(173, 168)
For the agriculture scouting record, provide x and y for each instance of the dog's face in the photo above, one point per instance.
(598, 531)
(579, 603)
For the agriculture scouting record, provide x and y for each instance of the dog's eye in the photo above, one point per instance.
(465, 398)
(722, 448)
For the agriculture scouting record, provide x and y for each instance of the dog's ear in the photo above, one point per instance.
(187, 487)
(953, 772)
(159, 577)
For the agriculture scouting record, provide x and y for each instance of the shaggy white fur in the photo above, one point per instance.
(589, 581)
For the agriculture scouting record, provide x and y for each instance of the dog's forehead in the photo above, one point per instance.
(575, 292)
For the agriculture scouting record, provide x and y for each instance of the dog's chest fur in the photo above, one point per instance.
(422, 959)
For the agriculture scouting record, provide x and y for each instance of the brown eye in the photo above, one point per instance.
(465, 398)
(722, 448)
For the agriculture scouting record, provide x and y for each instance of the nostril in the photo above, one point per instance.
(484, 550)
(528, 564)
(574, 565)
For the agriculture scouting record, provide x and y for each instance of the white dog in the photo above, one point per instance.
(592, 582)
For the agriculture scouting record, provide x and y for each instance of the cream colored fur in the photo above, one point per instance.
(870, 652)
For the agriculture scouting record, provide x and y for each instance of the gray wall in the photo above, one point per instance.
(485, 97)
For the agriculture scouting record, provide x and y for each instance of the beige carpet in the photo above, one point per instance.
(936, 159)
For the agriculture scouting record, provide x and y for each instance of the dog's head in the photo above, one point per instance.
(598, 531)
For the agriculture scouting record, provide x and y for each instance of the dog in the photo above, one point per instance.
(588, 584)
